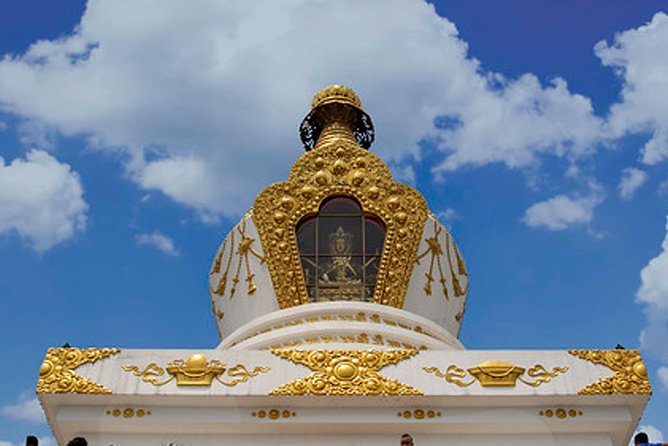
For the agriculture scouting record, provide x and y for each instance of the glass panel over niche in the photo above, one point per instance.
(340, 249)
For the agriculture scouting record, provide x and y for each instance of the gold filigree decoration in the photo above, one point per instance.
(629, 377)
(56, 374)
(359, 317)
(361, 338)
(345, 372)
(340, 168)
(196, 371)
(560, 413)
(497, 374)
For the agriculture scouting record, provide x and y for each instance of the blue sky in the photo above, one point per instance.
(135, 133)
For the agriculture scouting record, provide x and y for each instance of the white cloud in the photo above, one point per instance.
(561, 211)
(653, 292)
(662, 374)
(446, 216)
(159, 241)
(41, 199)
(638, 57)
(196, 96)
(654, 434)
(27, 408)
(631, 180)
(43, 441)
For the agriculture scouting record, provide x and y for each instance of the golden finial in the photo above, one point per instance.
(336, 93)
(336, 115)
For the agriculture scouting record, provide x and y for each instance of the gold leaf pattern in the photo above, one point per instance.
(345, 372)
(56, 374)
(629, 377)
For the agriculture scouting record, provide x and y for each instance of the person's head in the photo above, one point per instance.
(78, 441)
(640, 438)
(31, 440)
(406, 440)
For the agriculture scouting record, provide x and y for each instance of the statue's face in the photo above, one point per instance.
(340, 246)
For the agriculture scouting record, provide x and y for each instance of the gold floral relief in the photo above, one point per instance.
(339, 168)
(497, 374)
(56, 374)
(629, 377)
(345, 372)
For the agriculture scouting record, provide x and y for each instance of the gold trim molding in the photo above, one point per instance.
(419, 414)
(358, 317)
(56, 374)
(339, 168)
(273, 414)
(629, 377)
(345, 372)
(128, 412)
(361, 338)
(196, 371)
(497, 374)
(560, 413)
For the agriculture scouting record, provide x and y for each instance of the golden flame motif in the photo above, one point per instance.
(56, 374)
(497, 374)
(630, 375)
(196, 371)
(345, 372)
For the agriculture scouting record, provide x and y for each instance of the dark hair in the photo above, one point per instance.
(641, 438)
(78, 441)
(31, 440)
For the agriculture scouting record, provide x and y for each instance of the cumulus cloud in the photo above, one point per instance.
(561, 212)
(653, 292)
(41, 199)
(638, 57)
(159, 241)
(654, 434)
(631, 180)
(194, 97)
(27, 408)
(662, 374)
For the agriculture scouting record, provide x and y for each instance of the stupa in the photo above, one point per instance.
(338, 298)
